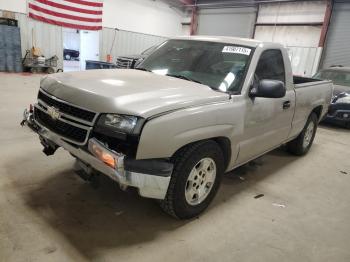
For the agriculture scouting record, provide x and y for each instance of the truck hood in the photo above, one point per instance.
(340, 89)
(127, 91)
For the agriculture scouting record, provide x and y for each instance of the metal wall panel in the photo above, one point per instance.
(125, 43)
(337, 49)
(304, 60)
(47, 37)
(307, 36)
(237, 22)
(302, 39)
(10, 49)
(293, 12)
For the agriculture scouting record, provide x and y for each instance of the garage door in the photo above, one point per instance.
(237, 22)
(337, 50)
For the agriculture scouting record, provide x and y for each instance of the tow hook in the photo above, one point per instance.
(49, 151)
(49, 148)
(87, 173)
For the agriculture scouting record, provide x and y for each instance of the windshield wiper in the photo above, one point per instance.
(142, 69)
(185, 78)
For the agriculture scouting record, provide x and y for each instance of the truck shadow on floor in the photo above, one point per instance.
(108, 218)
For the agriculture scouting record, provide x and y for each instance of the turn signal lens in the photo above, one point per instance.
(103, 155)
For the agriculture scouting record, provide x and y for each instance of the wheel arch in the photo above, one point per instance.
(318, 111)
(224, 144)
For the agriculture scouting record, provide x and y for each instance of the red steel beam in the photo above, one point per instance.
(187, 2)
(194, 21)
(194, 15)
(325, 25)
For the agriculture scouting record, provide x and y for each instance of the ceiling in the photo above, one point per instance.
(185, 4)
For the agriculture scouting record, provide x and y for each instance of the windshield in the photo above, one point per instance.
(341, 78)
(149, 51)
(218, 65)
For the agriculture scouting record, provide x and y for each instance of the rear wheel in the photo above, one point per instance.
(50, 70)
(195, 180)
(347, 125)
(67, 57)
(302, 144)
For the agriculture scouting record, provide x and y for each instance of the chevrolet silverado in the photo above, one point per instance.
(196, 108)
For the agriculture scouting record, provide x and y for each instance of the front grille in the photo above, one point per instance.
(123, 62)
(66, 108)
(59, 127)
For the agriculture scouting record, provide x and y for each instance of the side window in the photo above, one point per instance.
(271, 66)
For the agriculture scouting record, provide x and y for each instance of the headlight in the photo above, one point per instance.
(343, 98)
(122, 123)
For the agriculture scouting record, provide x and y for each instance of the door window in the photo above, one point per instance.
(271, 66)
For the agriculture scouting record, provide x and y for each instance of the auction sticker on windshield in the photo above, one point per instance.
(236, 50)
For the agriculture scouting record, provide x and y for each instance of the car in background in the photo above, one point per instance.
(339, 110)
(131, 61)
(70, 54)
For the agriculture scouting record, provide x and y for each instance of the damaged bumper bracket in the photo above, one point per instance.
(150, 177)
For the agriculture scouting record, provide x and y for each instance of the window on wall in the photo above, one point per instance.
(271, 66)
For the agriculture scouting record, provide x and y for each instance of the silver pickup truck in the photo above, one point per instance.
(196, 108)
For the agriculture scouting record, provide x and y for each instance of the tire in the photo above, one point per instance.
(190, 162)
(302, 143)
(67, 57)
(50, 70)
(347, 125)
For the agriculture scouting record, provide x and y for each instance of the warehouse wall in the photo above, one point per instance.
(19, 6)
(46, 37)
(237, 22)
(337, 49)
(294, 12)
(125, 42)
(144, 16)
(151, 21)
(297, 25)
(49, 38)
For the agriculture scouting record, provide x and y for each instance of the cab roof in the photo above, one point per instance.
(230, 40)
(337, 68)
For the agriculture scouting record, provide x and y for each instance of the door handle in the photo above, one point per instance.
(286, 104)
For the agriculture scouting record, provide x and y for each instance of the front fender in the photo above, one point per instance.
(162, 136)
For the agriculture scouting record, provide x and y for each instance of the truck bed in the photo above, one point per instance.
(310, 93)
(301, 80)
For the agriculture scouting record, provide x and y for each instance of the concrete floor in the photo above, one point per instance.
(49, 214)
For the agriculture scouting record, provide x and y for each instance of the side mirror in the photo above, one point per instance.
(269, 89)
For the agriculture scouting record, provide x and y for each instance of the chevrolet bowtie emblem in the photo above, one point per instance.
(53, 112)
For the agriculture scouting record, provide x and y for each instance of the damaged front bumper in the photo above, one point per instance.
(150, 177)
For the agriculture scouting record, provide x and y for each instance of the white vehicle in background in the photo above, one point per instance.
(194, 109)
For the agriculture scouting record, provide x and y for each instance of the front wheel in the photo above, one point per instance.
(302, 144)
(195, 180)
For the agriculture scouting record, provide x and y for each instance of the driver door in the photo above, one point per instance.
(267, 121)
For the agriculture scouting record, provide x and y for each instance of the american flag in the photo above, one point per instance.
(77, 14)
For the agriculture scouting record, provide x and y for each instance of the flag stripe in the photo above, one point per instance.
(81, 2)
(72, 17)
(59, 10)
(73, 5)
(70, 25)
(77, 14)
(64, 20)
(66, 7)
